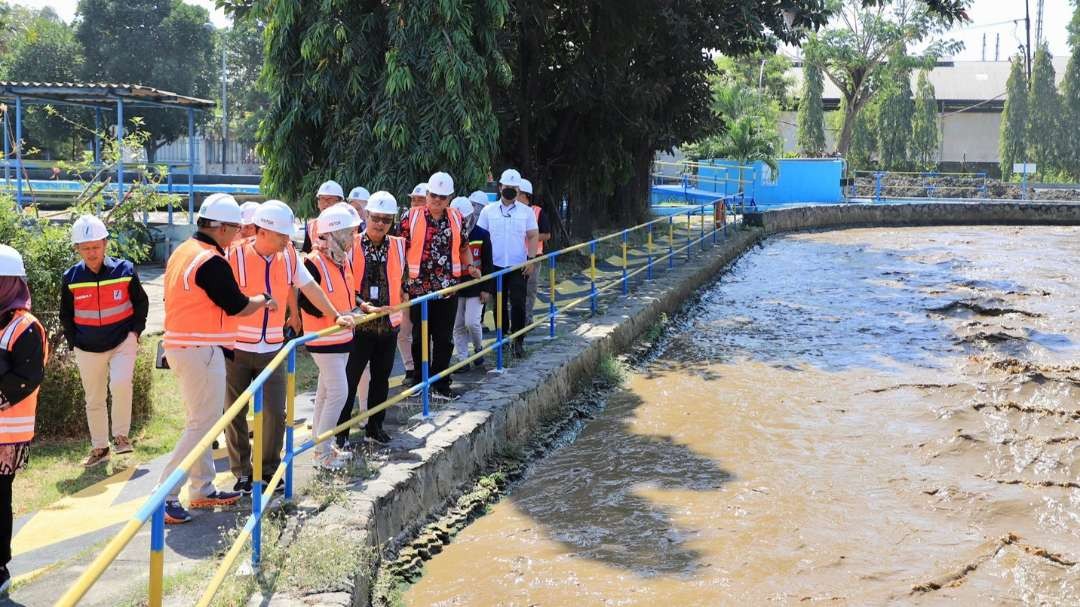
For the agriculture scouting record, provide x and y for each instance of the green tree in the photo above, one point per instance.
(1044, 113)
(860, 154)
(745, 141)
(855, 50)
(1012, 143)
(166, 44)
(46, 50)
(247, 101)
(896, 110)
(1070, 101)
(924, 126)
(811, 120)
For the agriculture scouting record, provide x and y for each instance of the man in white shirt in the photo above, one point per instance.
(268, 264)
(514, 239)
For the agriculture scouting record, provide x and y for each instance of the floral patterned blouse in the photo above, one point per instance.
(436, 263)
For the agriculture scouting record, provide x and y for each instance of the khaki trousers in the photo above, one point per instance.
(330, 395)
(201, 374)
(102, 373)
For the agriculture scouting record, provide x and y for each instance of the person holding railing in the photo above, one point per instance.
(514, 240)
(330, 266)
(200, 293)
(103, 309)
(438, 255)
(267, 263)
(24, 350)
(329, 194)
(525, 196)
(468, 327)
(378, 262)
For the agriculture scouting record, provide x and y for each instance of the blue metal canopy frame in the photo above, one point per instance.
(97, 96)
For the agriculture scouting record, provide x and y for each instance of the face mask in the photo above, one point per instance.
(509, 193)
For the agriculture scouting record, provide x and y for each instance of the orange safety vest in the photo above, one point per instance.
(255, 276)
(192, 319)
(418, 231)
(338, 284)
(540, 244)
(102, 303)
(395, 271)
(17, 421)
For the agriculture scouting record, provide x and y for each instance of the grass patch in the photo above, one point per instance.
(611, 371)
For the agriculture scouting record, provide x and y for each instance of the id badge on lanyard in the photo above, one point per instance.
(373, 295)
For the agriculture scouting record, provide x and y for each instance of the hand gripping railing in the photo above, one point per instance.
(153, 509)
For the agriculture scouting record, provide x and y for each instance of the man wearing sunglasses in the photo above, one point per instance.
(514, 237)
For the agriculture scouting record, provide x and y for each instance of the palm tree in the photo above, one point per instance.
(745, 142)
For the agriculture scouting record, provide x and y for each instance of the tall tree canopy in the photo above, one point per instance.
(579, 96)
(1012, 143)
(811, 120)
(924, 127)
(1070, 100)
(166, 44)
(1044, 114)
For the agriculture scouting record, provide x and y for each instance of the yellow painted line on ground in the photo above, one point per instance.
(89, 510)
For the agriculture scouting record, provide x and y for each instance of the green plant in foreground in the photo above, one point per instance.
(611, 371)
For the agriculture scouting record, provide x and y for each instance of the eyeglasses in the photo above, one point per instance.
(378, 219)
(439, 197)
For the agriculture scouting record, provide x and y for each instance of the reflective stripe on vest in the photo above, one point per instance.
(395, 267)
(191, 317)
(255, 276)
(337, 282)
(101, 303)
(418, 224)
(17, 421)
(539, 243)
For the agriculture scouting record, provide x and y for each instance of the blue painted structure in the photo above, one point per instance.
(797, 181)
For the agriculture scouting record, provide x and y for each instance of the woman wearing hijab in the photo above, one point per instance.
(23, 352)
(329, 265)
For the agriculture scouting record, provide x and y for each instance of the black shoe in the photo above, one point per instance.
(409, 381)
(519, 349)
(445, 394)
(479, 365)
(378, 435)
(243, 485)
(5, 581)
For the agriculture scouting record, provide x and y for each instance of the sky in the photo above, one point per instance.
(990, 17)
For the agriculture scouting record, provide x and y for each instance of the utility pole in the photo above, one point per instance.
(997, 47)
(224, 107)
(984, 47)
(1027, 44)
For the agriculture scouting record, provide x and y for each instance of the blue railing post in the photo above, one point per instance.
(7, 153)
(723, 214)
(157, 554)
(625, 263)
(425, 368)
(671, 242)
(97, 137)
(648, 252)
(552, 310)
(877, 186)
(714, 207)
(498, 322)
(689, 227)
(592, 278)
(289, 422)
(701, 238)
(256, 479)
(18, 153)
(120, 152)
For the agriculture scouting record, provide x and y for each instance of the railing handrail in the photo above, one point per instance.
(153, 506)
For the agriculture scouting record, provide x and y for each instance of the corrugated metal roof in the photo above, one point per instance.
(967, 81)
(99, 93)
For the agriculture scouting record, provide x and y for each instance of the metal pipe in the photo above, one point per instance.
(424, 367)
(498, 322)
(120, 146)
(256, 478)
(290, 412)
(592, 277)
(18, 153)
(551, 297)
(191, 166)
(157, 556)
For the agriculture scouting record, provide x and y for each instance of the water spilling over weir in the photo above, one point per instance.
(861, 416)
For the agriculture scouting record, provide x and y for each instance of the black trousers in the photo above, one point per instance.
(513, 301)
(441, 316)
(377, 350)
(6, 518)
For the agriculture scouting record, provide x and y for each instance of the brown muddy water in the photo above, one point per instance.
(851, 417)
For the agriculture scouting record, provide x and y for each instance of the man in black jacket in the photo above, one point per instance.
(103, 311)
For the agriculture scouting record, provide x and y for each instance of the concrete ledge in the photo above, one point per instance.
(916, 214)
(454, 446)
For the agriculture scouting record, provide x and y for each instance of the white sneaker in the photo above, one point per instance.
(344, 454)
(329, 462)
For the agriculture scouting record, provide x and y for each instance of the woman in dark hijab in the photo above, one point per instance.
(23, 353)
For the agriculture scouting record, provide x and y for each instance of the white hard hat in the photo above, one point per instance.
(382, 203)
(247, 213)
(331, 188)
(220, 207)
(441, 184)
(275, 216)
(479, 197)
(352, 211)
(462, 204)
(11, 263)
(359, 193)
(88, 228)
(510, 177)
(526, 186)
(419, 190)
(337, 217)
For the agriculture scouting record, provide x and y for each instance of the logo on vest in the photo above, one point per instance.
(117, 295)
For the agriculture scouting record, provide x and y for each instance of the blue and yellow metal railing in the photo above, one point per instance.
(715, 214)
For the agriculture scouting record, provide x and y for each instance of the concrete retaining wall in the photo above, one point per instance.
(916, 214)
